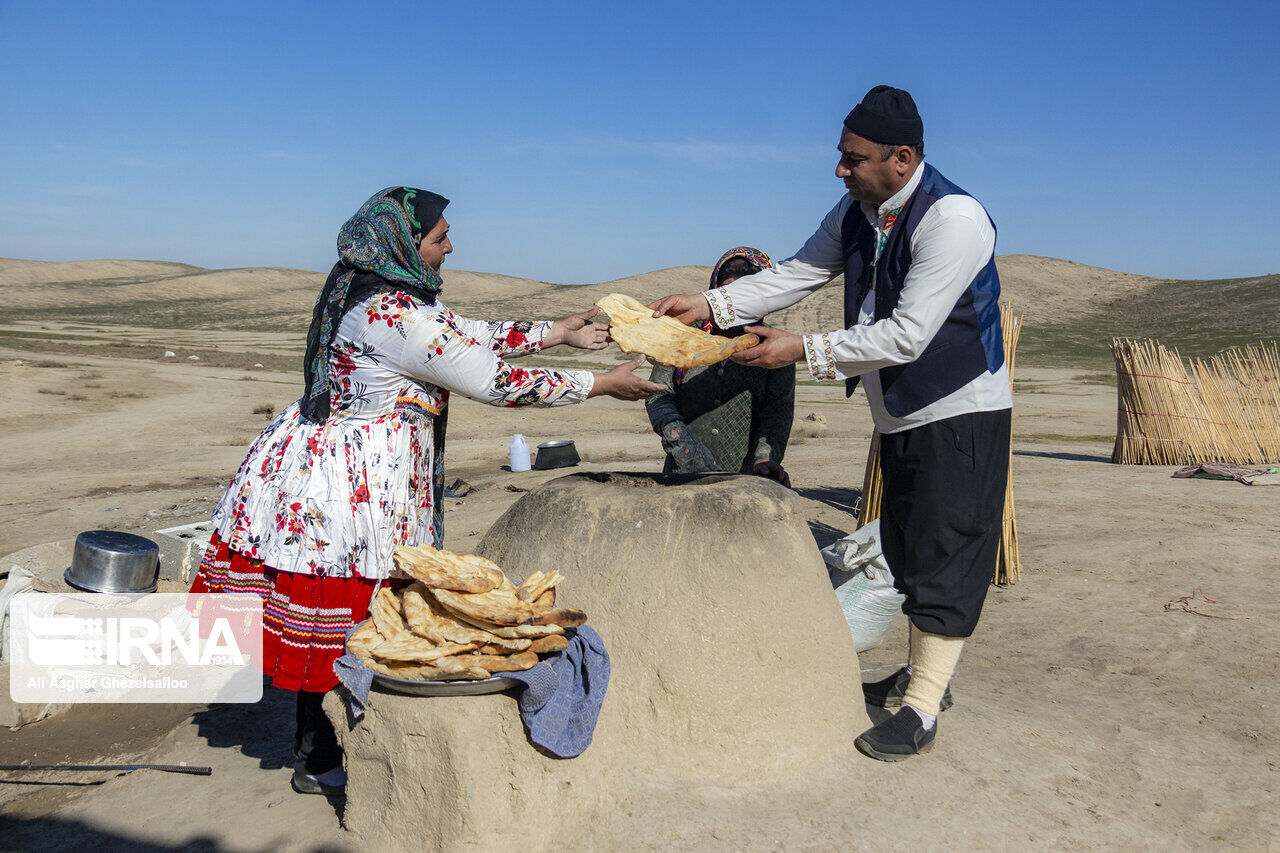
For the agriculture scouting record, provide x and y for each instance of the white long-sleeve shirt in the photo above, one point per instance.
(952, 243)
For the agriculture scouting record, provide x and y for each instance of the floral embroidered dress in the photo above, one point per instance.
(334, 499)
(355, 467)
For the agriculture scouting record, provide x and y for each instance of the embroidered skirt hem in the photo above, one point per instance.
(305, 618)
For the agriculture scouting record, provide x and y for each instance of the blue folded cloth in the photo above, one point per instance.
(357, 678)
(559, 703)
(564, 693)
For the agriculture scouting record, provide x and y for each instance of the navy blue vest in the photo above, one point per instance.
(969, 342)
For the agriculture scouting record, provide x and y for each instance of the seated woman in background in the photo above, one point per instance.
(356, 467)
(725, 417)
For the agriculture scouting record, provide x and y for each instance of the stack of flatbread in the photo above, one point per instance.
(666, 340)
(460, 619)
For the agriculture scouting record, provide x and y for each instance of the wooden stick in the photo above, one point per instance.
(872, 484)
(1009, 559)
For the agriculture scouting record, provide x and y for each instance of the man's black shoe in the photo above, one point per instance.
(888, 692)
(901, 736)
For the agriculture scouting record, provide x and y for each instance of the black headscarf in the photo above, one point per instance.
(377, 250)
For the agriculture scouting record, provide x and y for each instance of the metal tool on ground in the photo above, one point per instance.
(166, 768)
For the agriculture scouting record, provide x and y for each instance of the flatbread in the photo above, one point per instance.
(536, 584)
(446, 570)
(498, 606)
(496, 663)
(414, 649)
(385, 613)
(665, 340)
(547, 645)
(566, 617)
(363, 639)
(428, 618)
(510, 631)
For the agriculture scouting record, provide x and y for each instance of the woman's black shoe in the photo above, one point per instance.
(888, 692)
(901, 736)
(304, 784)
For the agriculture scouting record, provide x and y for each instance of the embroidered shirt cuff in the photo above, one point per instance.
(822, 361)
(722, 313)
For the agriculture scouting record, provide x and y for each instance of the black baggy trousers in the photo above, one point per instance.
(940, 519)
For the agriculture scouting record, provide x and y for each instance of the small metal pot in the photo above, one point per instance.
(556, 454)
(111, 561)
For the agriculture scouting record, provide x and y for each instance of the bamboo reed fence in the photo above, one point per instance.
(1221, 409)
(1009, 561)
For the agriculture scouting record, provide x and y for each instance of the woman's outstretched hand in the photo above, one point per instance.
(622, 382)
(577, 330)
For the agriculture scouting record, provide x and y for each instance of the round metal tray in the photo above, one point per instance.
(494, 684)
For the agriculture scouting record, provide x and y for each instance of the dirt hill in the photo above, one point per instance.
(1071, 311)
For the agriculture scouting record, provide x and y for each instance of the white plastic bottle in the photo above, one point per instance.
(519, 453)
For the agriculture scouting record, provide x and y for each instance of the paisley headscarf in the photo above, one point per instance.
(377, 250)
(754, 256)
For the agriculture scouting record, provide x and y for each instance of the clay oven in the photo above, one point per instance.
(732, 667)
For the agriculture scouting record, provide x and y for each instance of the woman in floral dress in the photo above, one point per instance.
(355, 467)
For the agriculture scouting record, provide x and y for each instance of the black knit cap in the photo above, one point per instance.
(888, 116)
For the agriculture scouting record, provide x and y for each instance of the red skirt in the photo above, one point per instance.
(305, 619)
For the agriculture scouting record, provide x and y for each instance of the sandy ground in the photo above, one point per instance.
(1087, 716)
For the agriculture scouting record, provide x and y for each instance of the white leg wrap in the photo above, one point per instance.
(933, 662)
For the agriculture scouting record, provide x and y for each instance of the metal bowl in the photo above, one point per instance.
(556, 454)
(111, 561)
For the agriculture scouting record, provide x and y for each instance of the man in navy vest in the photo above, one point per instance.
(922, 332)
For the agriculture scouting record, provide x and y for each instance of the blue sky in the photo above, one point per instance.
(584, 142)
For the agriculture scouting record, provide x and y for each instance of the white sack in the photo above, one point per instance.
(863, 585)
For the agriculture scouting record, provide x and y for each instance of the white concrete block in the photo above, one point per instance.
(181, 549)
